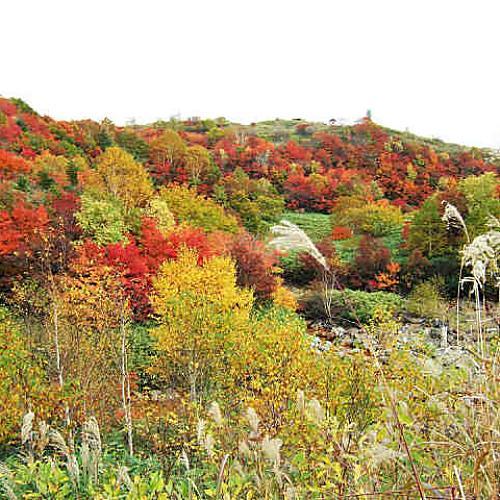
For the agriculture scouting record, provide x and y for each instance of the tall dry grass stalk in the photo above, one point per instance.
(454, 220)
(90, 449)
(289, 237)
(481, 258)
(7, 482)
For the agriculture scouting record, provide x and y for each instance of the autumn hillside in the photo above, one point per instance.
(201, 309)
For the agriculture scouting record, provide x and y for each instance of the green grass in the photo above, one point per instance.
(316, 226)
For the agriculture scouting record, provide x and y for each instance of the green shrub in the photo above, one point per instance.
(426, 299)
(352, 305)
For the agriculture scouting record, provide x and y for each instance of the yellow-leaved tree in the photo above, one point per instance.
(212, 344)
(120, 176)
(274, 361)
(202, 313)
(168, 150)
(22, 383)
(189, 207)
(88, 325)
(197, 163)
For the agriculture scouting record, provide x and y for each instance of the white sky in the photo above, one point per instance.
(429, 66)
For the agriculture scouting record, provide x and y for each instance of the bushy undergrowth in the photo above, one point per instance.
(426, 300)
(348, 434)
(352, 305)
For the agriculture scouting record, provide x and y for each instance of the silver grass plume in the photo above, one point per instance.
(482, 255)
(253, 421)
(43, 435)
(9, 492)
(244, 449)
(4, 470)
(59, 443)
(91, 449)
(453, 218)
(205, 439)
(315, 411)
(200, 430)
(288, 236)
(271, 449)
(378, 454)
(238, 468)
(123, 478)
(92, 435)
(493, 222)
(185, 460)
(27, 427)
(215, 413)
(209, 444)
(6, 482)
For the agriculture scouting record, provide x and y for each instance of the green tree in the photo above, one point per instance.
(427, 231)
(102, 219)
(482, 201)
(256, 201)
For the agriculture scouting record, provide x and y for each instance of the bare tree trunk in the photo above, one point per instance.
(126, 398)
(59, 368)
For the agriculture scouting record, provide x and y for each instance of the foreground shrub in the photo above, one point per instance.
(210, 344)
(271, 361)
